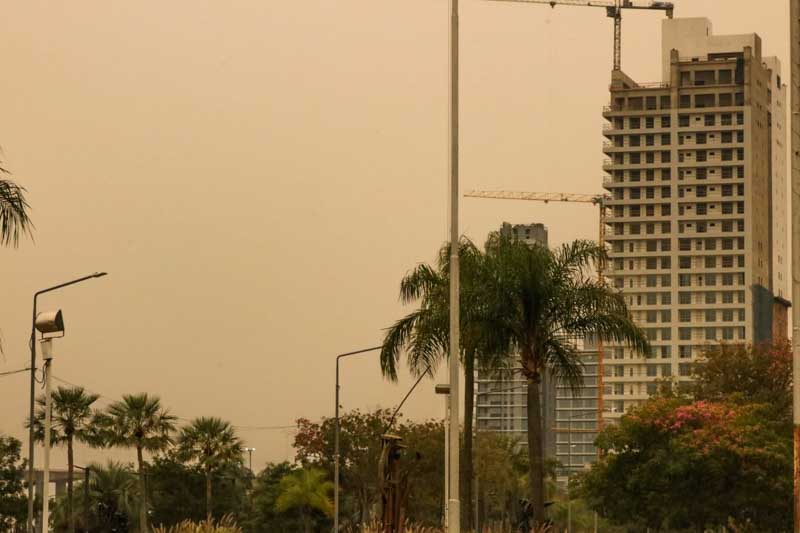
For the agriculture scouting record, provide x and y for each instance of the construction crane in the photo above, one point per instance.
(613, 10)
(596, 199)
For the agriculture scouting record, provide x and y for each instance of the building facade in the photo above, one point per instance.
(697, 221)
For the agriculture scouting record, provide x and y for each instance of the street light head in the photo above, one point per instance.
(50, 322)
(99, 274)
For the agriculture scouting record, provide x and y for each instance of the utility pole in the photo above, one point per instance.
(454, 506)
(794, 18)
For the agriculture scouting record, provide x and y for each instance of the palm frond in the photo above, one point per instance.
(14, 219)
(395, 340)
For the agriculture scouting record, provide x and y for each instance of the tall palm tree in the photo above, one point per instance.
(14, 219)
(71, 417)
(213, 443)
(425, 332)
(546, 300)
(139, 421)
(305, 490)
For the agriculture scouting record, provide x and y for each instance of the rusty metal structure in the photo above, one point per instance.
(393, 484)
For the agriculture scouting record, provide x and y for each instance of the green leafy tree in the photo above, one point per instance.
(424, 333)
(13, 504)
(423, 465)
(678, 464)
(177, 490)
(305, 490)
(501, 466)
(71, 420)
(213, 444)
(264, 516)
(360, 438)
(545, 299)
(760, 373)
(138, 421)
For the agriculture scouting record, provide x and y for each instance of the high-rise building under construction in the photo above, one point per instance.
(697, 219)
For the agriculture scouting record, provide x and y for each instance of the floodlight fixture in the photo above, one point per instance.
(50, 323)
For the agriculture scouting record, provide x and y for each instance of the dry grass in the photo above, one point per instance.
(225, 525)
(411, 528)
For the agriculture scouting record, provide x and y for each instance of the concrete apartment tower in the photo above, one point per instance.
(698, 212)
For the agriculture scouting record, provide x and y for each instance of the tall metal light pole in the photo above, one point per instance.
(336, 438)
(454, 506)
(33, 386)
(794, 18)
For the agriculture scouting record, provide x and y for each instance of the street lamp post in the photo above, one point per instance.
(336, 437)
(51, 324)
(33, 386)
(250, 453)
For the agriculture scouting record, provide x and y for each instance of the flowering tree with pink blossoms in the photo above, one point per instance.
(720, 458)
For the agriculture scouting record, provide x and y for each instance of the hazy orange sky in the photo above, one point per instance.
(256, 177)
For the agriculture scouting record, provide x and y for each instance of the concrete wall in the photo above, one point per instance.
(694, 37)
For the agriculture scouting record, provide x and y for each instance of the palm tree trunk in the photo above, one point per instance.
(536, 473)
(143, 491)
(70, 475)
(208, 494)
(306, 522)
(469, 407)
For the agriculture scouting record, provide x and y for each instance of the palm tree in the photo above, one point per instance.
(139, 421)
(113, 493)
(305, 490)
(425, 333)
(71, 417)
(546, 300)
(14, 219)
(213, 443)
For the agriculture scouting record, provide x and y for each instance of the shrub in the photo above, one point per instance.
(225, 525)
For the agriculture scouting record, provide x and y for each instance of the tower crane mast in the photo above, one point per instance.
(613, 10)
(546, 197)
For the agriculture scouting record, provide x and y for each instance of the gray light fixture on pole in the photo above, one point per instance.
(336, 437)
(33, 387)
(50, 325)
